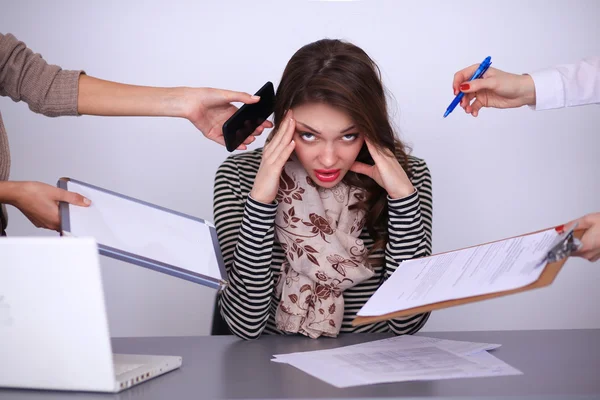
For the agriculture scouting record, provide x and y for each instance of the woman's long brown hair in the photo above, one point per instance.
(342, 75)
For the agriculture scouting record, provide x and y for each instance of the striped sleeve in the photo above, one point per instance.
(245, 229)
(410, 233)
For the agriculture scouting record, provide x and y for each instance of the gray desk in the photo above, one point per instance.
(556, 364)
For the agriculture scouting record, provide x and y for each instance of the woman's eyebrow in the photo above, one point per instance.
(308, 127)
(317, 132)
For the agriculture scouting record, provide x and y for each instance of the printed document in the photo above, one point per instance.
(489, 268)
(402, 358)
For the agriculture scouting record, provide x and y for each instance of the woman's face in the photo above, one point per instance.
(327, 142)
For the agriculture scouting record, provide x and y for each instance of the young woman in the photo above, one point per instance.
(313, 223)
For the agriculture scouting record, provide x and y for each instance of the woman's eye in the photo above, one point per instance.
(350, 137)
(309, 137)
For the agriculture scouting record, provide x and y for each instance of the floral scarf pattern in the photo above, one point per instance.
(324, 255)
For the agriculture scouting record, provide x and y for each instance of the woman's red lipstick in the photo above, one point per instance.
(327, 175)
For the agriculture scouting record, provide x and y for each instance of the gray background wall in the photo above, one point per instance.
(502, 174)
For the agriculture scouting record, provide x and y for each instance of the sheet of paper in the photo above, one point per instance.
(404, 358)
(496, 367)
(410, 341)
(489, 268)
(406, 341)
(145, 231)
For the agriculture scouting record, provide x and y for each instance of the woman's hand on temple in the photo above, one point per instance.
(275, 155)
(387, 172)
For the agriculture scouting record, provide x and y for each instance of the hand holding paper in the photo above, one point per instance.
(471, 274)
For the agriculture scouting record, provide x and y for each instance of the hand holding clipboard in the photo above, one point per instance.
(472, 274)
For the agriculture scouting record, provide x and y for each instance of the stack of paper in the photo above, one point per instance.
(401, 358)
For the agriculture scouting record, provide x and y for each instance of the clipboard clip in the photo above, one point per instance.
(565, 244)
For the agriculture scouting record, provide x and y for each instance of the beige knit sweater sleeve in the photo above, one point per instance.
(25, 76)
(46, 88)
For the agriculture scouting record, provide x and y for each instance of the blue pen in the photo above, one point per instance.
(485, 64)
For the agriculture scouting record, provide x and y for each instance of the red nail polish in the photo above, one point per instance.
(464, 86)
(560, 229)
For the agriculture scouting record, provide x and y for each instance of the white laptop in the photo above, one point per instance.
(53, 324)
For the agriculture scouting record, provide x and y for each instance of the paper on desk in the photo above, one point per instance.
(504, 265)
(400, 359)
(496, 367)
(406, 341)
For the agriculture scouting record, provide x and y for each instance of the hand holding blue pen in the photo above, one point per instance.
(485, 64)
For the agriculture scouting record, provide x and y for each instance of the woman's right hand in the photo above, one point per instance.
(497, 89)
(275, 155)
(39, 202)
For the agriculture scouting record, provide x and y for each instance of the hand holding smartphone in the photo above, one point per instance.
(249, 117)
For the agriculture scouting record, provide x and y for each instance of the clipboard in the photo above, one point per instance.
(566, 243)
(145, 234)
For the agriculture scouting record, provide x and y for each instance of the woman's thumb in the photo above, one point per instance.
(242, 97)
(74, 198)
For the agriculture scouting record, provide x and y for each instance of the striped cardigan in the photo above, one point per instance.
(253, 257)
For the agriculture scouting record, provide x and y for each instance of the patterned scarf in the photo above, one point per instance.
(324, 255)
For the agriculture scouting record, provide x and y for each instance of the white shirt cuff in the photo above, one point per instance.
(549, 90)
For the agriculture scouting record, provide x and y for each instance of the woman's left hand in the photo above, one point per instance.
(387, 172)
(591, 238)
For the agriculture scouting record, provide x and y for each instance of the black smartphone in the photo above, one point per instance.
(249, 117)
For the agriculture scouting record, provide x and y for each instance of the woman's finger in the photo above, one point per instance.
(289, 132)
(475, 107)
(379, 155)
(375, 154)
(267, 124)
(467, 100)
(277, 137)
(243, 97)
(285, 154)
(286, 138)
(250, 139)
(463, 75)
(362, 168)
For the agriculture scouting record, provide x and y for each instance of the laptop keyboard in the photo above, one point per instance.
(123, 368)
